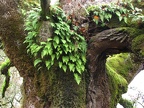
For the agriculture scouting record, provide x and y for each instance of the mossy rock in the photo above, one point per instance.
(118, 67)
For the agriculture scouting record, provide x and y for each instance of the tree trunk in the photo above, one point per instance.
(98, 90)
(55, 88)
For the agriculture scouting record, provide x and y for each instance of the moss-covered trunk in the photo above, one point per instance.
(58, 89)
(53, 89)
(45, 89)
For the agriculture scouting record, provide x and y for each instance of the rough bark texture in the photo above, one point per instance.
(100, 46)
(12, 35)
(53, 89)
(56, 89)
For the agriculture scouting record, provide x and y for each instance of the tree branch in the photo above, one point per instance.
(107, 42)
(45, 5)
(12, 36)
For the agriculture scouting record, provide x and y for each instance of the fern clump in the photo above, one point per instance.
(65, 46)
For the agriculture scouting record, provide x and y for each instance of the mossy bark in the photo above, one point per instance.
(105, 43)
(54, 88)
(126, 103)
(59, 90)
(120, 70)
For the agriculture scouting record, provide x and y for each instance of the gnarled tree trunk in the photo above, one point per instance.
(54, 88)
(100, 46)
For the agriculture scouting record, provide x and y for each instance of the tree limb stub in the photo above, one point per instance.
(108, 42)
(45, 5)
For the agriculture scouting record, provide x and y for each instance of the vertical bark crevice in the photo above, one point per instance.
(98, 95)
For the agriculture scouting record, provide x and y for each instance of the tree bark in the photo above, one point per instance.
(100, 46)
(54, 88)
(45, 5)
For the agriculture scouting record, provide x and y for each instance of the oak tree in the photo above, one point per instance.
(65, 53)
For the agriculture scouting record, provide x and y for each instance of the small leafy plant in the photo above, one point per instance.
(66, 46)
(102, 14)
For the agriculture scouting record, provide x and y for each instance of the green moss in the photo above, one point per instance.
(118, 85)
(138, 40)
(133, 32)
(126, 103)
(138, 44)
(118, 67)
(120, 63)
(60, 89)
(5, 66)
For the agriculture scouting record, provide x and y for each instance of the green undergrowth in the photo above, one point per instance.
(65, 46)
(122, 11)
(118, 67)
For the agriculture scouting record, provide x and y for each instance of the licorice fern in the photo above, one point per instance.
(66, 46)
